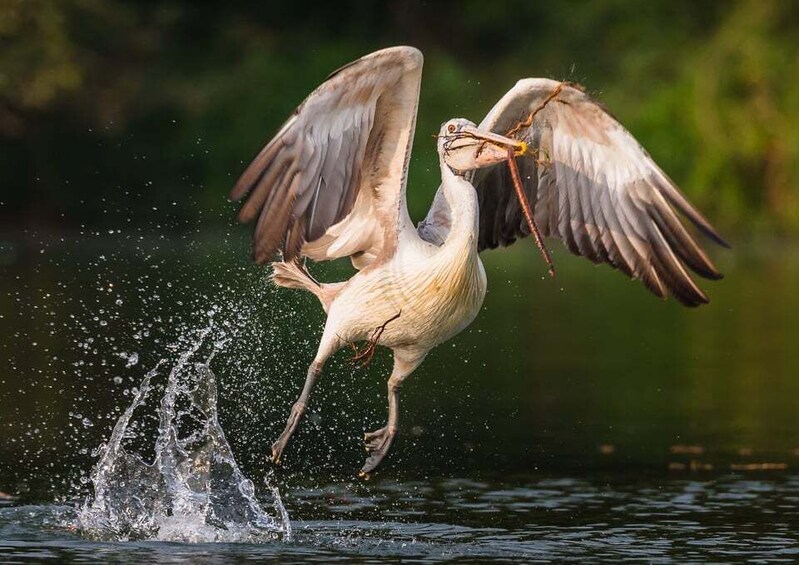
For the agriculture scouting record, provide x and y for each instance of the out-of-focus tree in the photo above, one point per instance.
(110, 108)
(68, 54)
(746, 111)
(38, 61)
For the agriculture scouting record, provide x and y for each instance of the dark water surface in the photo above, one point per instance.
(653, 518)
(576, 418)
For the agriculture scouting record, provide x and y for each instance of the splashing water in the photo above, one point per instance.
(193, 491)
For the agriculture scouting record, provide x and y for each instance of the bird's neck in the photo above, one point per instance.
(464, 214)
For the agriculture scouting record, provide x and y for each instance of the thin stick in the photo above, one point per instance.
(528, 213)
(529, 121)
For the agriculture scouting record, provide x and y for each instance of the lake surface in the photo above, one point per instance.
(648, 517)
(576, 418)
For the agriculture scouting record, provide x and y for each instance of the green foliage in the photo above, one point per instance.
(38, 59)
(111, 108)
(746, 112)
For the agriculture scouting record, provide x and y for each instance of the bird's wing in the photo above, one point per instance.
(593, 186)
(331, 183)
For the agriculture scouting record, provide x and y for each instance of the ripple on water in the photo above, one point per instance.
(655, 518)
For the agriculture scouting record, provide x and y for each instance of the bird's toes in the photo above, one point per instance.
(277, 451)
(370, 465)
(377, 445)
(379, 440)
(369, 436)
(373, 445)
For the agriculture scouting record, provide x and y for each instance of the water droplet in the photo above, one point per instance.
(132, 360)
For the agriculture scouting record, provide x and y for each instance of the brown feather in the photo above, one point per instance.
(310, 177)
(595, 188)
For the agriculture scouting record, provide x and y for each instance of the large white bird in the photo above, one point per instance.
(332, 181)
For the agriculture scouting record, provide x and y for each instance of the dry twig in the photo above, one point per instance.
(526, 123)
(527, 210)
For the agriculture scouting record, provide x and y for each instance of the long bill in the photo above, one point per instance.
(527, 209)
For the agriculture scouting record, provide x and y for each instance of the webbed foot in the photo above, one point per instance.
(377, 445)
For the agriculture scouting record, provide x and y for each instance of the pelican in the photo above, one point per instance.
(332, 183)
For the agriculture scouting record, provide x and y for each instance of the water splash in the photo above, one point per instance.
(193, 490)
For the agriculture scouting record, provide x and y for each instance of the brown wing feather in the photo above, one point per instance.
(595, 188)
(345, 144)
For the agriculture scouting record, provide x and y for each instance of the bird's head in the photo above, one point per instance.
(464, 147)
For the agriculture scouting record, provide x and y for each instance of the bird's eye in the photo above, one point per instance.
(451, 128)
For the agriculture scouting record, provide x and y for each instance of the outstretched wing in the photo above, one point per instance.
(594, 187)
(331, 183)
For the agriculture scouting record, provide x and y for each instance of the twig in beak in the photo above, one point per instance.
(528, 213)
(526, 123)
(456, 136)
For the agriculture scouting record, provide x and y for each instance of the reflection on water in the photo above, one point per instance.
(637, 517)
(585, 377)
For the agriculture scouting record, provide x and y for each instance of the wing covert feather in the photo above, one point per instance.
(338, 161)
(592, 186)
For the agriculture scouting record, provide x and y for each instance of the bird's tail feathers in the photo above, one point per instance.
(295, 275)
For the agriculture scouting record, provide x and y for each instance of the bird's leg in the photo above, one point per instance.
(363, 357)
(297, 410)
(528, 213)
(379, 441)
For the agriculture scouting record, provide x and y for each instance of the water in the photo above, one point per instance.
(578, 418)
(642, 517)
(193, 491)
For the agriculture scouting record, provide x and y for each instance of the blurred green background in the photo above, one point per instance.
(109, 108)
(124, 124)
